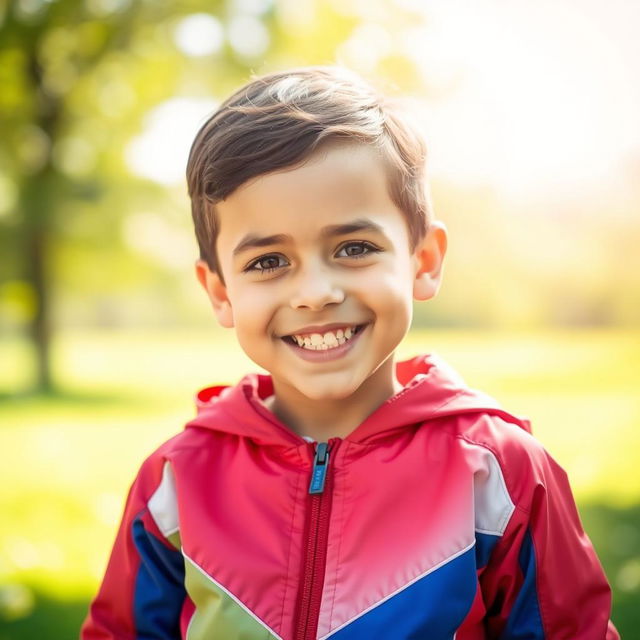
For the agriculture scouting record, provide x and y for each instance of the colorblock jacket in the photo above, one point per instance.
(438, 517)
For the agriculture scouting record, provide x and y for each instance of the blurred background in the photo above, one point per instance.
(531, 115)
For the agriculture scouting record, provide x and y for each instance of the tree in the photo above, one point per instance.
(61, 64)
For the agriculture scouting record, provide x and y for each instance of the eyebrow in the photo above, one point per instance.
(361, 224)
(252, 240)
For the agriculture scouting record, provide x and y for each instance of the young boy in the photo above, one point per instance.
(344, 495)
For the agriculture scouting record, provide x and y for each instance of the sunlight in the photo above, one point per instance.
(529, 96)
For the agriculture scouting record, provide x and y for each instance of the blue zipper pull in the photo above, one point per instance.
(320, 466)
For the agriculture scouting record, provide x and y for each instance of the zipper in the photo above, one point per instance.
(319, 498)
(320, 468)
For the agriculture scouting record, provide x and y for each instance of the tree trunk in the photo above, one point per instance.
(39, 199)
(40, 327)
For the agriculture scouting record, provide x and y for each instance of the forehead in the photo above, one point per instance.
(337, 183)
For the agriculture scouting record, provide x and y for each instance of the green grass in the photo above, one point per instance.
(69, 458)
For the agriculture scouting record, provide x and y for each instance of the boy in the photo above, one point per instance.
(342, 495)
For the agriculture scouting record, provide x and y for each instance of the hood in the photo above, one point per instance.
(431, 390)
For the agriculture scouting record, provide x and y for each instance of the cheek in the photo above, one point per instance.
(391, 298)
(392, 288)
(253, 310)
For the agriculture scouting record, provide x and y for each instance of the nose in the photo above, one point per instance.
(316, 287)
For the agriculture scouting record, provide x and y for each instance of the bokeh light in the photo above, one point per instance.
(160, 152)
(199, 34)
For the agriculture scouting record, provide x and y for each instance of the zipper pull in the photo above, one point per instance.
(320, 466)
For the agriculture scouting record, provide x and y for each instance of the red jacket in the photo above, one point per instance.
(439, 516)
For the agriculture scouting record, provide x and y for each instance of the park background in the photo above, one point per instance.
(531, 114)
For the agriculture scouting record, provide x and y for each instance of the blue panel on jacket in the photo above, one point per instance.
(159, 587)
(524, 620)
(433, 607)
(485, 542)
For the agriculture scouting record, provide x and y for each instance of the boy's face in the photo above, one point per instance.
(321, 249)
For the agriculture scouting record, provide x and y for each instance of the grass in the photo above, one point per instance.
(69, 458)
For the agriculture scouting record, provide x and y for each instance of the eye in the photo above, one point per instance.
(357, 249)
(267, 264)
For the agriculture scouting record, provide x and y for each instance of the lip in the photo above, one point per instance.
(327, 355)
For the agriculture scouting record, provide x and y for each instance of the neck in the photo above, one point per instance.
(332, 418)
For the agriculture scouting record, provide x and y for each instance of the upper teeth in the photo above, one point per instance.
(328, 340)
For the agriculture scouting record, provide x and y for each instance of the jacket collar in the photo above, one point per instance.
(431, 389)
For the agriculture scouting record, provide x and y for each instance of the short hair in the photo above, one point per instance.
(277, 120)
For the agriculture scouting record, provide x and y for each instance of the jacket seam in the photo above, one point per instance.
(406, 389)
(413, 384)
(449, 400)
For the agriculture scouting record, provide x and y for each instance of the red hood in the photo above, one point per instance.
(431, 390)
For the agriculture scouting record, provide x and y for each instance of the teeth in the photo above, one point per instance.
(330, 339)
(319, 342)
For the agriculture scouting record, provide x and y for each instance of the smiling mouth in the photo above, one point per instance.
(324, 341)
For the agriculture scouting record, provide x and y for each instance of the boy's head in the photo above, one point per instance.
(278, 120)
(311, 213)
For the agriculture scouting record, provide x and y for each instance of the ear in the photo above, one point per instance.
(429, 258)
(217, 292)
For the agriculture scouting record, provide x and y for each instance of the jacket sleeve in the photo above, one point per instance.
(142, 593)
(544, 579)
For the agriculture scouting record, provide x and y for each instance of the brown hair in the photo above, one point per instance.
(277, 120)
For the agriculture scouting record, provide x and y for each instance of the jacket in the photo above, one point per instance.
(438, 517)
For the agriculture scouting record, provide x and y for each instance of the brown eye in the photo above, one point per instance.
(271, 262)
(354, 249)
(268, 263)
(357, 250)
